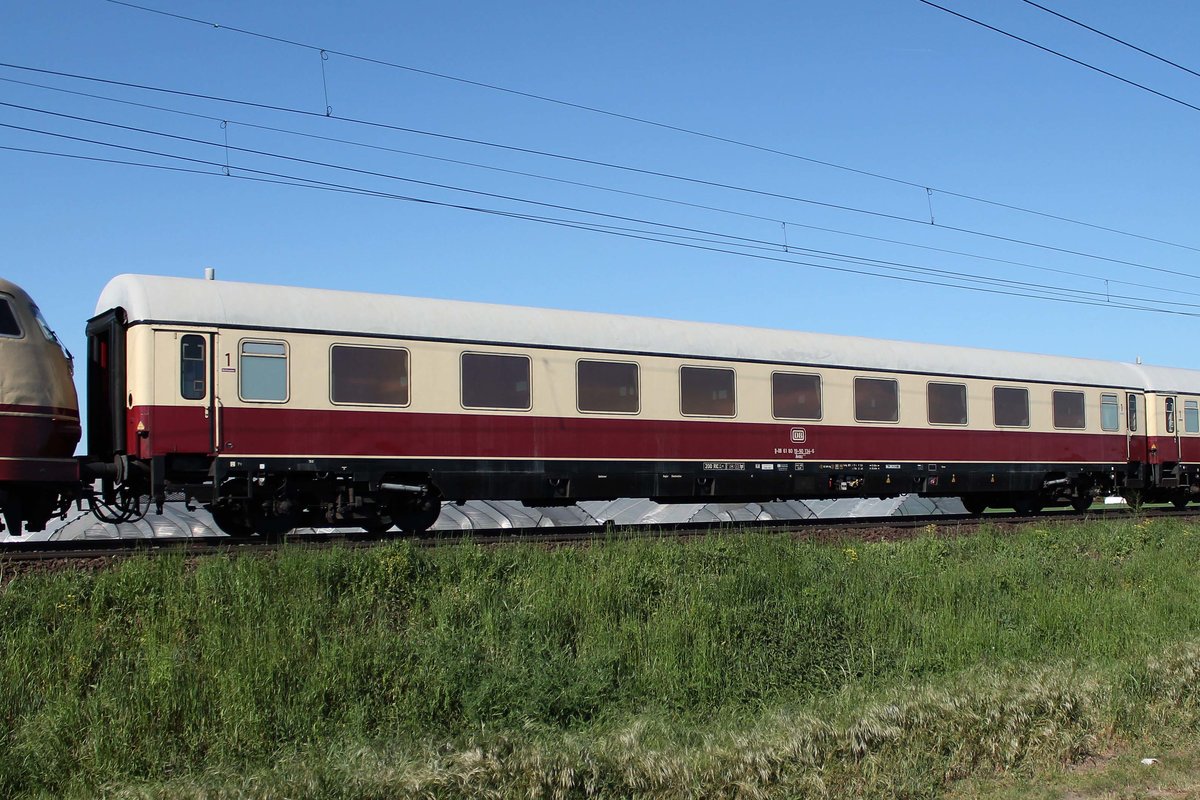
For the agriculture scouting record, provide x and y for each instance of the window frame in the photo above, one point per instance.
(1116, 404)
(1054, 409)
(204, 345)
(407, 374)
(637, 377)
(854, 398)
(679, 384)
(966, 404)
(820, 394)
(20, 334)
(462, 380)
(287, 370)
(1028, 407)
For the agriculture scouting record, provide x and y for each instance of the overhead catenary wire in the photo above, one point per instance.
(925, 187)
(1112, 38)
(642, 195)
(673, 231)
(306, 183)
(1062, 55)
(610, 165)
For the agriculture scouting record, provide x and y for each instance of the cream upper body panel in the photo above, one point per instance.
(226, 304)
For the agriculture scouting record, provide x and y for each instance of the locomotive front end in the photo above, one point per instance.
(39, 416)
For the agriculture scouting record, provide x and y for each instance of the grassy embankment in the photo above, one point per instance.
(738, 664)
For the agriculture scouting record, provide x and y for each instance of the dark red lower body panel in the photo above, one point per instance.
(283, 431)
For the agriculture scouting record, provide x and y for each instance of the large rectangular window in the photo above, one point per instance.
(1191, 416)
(368, 375)
(1010, 405)
(607, 386)
(1069, 410)
(490, 380)
(8, 320)
(707, 392)
(947, 403)
(1110, 413)
(263, 373)
(876, 400)
(795, 395)
(193, 367)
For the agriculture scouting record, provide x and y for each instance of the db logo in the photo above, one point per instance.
(798, 435)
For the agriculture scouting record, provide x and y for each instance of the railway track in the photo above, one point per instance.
(18, 557)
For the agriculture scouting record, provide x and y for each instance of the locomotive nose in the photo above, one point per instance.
(39, 415)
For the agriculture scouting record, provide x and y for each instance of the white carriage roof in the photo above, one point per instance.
(248, 305)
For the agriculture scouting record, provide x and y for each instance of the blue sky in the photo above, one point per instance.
(894, 88)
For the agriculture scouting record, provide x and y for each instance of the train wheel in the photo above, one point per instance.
(1179, 502)
(233, 521)
(975, 504)
(381, 523)
(1027, 504)
(417, 517)
(1081, 504)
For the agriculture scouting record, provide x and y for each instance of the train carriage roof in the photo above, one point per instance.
(259, 306)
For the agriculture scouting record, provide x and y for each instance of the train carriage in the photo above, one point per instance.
(284, 406)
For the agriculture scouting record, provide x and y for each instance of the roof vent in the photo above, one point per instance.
(210, 274)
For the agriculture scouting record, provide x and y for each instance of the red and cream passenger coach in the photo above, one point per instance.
(285, 406)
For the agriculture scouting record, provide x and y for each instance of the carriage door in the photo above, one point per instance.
(195, 424)
(1135, 432)
(1168, 439)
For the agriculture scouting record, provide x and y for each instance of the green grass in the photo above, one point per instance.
(629, 667)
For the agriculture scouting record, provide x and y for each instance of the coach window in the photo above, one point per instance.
(263, 372)
(375, 376)
(607, 386)
(947, 403)
(495, 381)
(1010, 406)
(193, 367)
(1191, 416)
(1068, 410)
(1110, 414)
(8, 320)
(795, 395)
(876, 400)
(707, 392)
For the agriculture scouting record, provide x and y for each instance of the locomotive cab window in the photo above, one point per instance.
(375, 376)
(1110, 414)
(193, 367)
(1069, 410)
(947, 403)
(263, 372)
(876, 400)
(1010, 407)
(8, 320)
(795, 396)
(707, 392)
(607, 386)
(495, 381)
(1191, 416)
